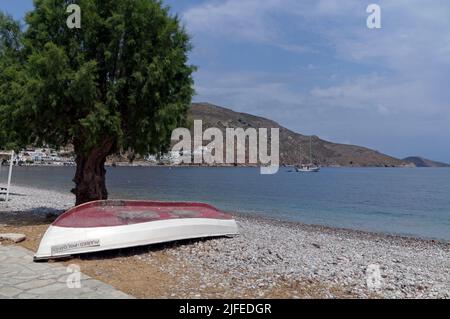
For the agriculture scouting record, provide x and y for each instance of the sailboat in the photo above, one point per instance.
(308, 168)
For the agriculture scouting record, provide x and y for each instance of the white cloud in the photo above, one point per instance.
(399, 73)
(242, 19)
(336, 7)
(258, 93)
(408, 36)
(385, 95)
(411, 49)
(253, 21)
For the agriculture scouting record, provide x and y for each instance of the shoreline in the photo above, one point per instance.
(341, 230)
(268, 219)
(147, 164)
(270, 258)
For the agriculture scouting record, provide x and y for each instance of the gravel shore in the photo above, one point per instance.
(278, 256)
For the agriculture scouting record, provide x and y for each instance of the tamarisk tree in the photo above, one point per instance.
(121, 81)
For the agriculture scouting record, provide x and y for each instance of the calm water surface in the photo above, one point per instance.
(413, 202)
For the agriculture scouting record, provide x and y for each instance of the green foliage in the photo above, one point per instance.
(10, 70)
(123, 76)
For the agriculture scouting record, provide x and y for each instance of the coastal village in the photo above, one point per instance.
(43, 156)
(46, 156)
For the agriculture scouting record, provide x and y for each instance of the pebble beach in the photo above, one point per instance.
(269, 258)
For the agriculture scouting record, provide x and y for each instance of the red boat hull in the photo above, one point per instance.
(120, 213)
(106, 225)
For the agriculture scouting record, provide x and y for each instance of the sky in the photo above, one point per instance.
(315, 67)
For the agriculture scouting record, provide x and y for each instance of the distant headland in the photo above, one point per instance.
(294, 147)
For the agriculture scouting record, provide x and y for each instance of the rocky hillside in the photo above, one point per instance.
(294, 147)
(423, 162)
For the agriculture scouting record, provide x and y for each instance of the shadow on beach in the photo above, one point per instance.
(136, 251)
(3, 196)
(10, 194)
(30, 217)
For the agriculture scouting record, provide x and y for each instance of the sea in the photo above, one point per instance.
(400, 201)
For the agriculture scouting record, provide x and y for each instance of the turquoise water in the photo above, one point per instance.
(414, 202)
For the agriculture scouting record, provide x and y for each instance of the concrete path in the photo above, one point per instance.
(21, 278)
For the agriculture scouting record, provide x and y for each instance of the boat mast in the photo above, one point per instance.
(8, 185)
(310, 150)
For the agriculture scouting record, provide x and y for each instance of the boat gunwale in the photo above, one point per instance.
(114, 203)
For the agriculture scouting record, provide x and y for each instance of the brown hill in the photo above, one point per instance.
(423, 162)
(294, 147)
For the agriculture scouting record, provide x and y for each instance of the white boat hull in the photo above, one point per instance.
(308, 170)
(62, 241)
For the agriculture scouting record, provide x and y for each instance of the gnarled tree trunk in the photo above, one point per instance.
(90, 182)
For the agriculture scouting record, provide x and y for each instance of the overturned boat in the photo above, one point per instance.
(107, 225)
